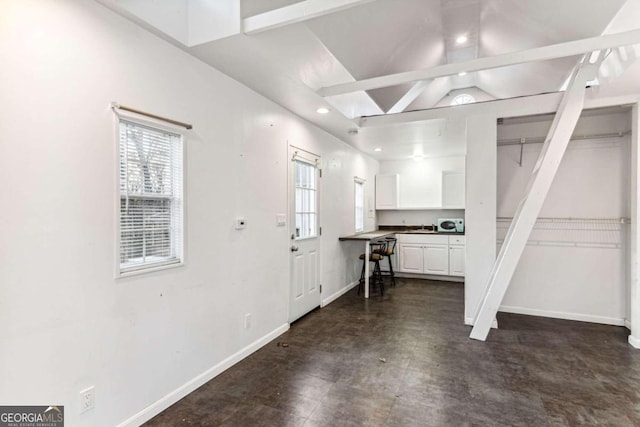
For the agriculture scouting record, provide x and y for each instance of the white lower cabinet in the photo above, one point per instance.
(431, 254)
(436, 259)
(411, 258)
(456, 260)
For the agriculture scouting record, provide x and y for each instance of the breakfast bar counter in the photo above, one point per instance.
(367, 237)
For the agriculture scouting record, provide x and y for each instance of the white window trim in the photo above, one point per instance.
(467, 97)
(360, 181)
(146, 121)
(315, 163)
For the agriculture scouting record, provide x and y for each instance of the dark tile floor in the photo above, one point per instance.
(406, 360)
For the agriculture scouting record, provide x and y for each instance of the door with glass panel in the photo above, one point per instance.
(304, 245)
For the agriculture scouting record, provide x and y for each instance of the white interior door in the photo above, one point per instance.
(305, 241)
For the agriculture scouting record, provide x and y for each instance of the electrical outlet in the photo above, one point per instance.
(87, 399)
(247, 320)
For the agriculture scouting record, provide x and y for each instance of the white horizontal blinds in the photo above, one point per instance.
(359, 204)
(305, 199)
(151, 220)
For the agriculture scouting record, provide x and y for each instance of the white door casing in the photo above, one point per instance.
(304, 245)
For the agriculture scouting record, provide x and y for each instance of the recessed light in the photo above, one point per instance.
(461, 39)
(462, 73)
(377, 149)
(322, 110)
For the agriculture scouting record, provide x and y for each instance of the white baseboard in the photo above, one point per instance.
(155, 408)
(331, 298)
(627, 324)
(436, 277)
(469, 322)
(563, 315)
(634, 342)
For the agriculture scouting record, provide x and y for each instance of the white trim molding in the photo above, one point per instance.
(160, 405)
(580, 317)
(331, 298)
(634, 342)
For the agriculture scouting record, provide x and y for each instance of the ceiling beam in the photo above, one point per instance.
(409, 97)
(294, 13)
(560, 50)
(520, 106)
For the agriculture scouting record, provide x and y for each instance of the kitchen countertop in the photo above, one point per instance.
(387, 230)
(416, 229)
(369, 235)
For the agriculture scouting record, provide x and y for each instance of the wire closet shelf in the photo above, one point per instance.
(607, 233)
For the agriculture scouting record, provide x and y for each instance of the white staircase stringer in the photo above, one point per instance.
(541, 179)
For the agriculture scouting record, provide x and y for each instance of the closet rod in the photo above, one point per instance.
(540, 139)
(115, 105)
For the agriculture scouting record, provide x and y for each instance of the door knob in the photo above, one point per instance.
(294, 249)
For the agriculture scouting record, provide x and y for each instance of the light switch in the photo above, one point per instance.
(281, 220)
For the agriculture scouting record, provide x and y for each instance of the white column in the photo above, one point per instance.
(480, 209)
(634, 282)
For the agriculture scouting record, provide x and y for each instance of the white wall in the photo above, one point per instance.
(571, 269)
(190, 22)
(66, 322)
(171, 17)
(421, 180)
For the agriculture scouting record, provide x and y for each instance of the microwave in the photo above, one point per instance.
(450, 225)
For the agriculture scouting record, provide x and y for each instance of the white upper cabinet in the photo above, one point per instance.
(453, 190)
(429, 183)
(387, 186)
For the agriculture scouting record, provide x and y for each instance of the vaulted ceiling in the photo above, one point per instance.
(373, 38)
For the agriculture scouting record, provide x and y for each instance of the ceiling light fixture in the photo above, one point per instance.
(462, 73)
(322, 110)
(377, 149)
(461, 39)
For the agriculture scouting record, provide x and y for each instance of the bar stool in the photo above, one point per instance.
(388, 251)
(377, 273)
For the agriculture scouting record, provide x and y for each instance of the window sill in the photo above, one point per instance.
(151, 269)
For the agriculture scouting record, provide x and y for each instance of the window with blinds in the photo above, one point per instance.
(359, 204)
(151, 223)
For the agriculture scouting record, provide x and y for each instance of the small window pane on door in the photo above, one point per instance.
(306, 200)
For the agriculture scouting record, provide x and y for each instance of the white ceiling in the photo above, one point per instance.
(380, 37)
